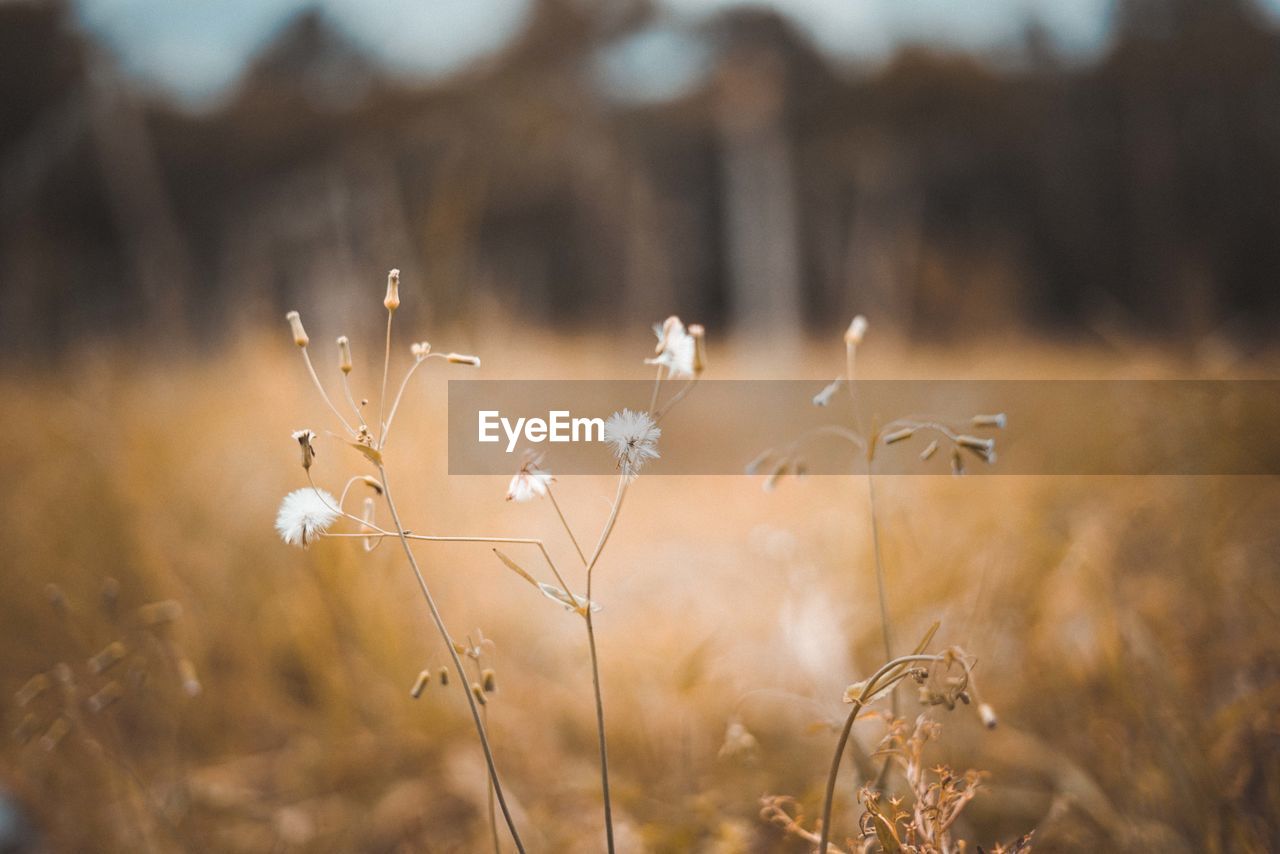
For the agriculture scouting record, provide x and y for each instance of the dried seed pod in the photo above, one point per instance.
(699, 336)
(392, 300)
(996, 420)
(295, 325)
(988, 715)
(105, 697)
(32, 688)
(187, 675)
(929, 450)
(899, 435)
(420, 684)
(344, 354)
(54, 734)
(25, 729)
(478, 693)
(444, 677)
(857, 330)
(463, 359)
(107, 657)
(157, 613)
(489, 680)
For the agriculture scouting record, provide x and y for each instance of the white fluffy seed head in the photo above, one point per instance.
(633, 438)
(304, 515)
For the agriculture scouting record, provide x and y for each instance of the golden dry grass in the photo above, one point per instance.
(1126, 630)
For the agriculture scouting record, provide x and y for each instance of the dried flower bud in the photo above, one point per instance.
(929, 450)
(823, 397)
(983, 448)
(155, 613)
(699, 336)
(755, 465)
(295, 323)
(367, 528)
(857, 329)
(105, 697)
(25, 729)
(478, 693)
(444, 676)
(420, 684)
(392, 300)
(54, 734)
(305, 438)
(899, 435)
(988, 715)
(957, 464)
(32, 688)
(489, 680)
(668, 325)
(344, 354)
(187, 675)
(462, 359)
(997, 421)
(420, 350)
(108, 657)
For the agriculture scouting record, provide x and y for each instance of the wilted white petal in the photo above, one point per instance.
(677, 349)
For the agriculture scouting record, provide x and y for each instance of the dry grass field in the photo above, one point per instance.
(1124, 628)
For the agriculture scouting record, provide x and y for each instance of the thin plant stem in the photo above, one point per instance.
(676, 398)
(306, 358)
(484, 716)
(657, 381)
(567, 529)
(885, 631)
(386, 367)
(595, 663)
(871, 688)
(346, 389)
(457, 662)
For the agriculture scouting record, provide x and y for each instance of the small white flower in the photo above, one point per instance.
(304, 515)
(634, 438)
(529, 483)
(677, 349)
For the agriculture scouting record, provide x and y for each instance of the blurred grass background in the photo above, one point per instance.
(1124, 628)
(1020, 208)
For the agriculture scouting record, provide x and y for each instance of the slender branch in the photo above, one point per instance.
(346, 389)
(657, 381)
(457, 662)
(306, 357)
(565, 522)
(595, 663)
(869, 690)
(676, 398)
(386, 366)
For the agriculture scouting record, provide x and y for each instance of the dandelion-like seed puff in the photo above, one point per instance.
(304, 515)
(633, 437)
(529, 483)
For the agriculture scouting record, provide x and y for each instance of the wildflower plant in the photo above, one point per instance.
(957, 684)
(307, 514)
(632, 436)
